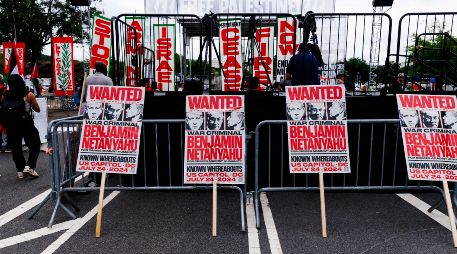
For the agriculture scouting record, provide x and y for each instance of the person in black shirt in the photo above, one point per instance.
(305, 67)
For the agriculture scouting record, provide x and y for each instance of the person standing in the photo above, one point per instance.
(304, 68)
(99, 78)
(17, 105)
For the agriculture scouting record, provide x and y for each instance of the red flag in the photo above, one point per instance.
(34, 72)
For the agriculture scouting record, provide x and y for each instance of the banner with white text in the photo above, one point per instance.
(101, 42)
(429, 131)
(215, 139)
(111, 130)
(133, 48)
(63, 66)
(286, 39)
(164, 48)
(230, 52)
(317, 129)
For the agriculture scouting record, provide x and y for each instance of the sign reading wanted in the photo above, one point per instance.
(317, 129)
(111, 130)
(215, 139)
(429, 132)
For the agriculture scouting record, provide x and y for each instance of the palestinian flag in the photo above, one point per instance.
(34, 78)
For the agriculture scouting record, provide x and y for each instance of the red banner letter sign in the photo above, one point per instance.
(62, 56)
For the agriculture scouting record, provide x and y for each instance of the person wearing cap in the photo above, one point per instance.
(343, 79)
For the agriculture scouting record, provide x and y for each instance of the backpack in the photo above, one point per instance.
(15, 110)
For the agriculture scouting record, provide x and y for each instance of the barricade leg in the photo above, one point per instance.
(243, 211)
(257, 211)
(37, 208)
(436, 205)
(54, 211)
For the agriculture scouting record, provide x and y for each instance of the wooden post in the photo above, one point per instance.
(323, 217)
(83, 92)
(100, 206)
(214, 208)
(450, 212)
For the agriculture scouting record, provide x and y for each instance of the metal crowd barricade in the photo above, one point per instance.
(57, 103)
(188, 35)
(251, 48)
(357, 40)
(376, 158)
(426, 47)
(160, 165)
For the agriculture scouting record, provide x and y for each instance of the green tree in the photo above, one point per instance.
(36, 21)
(355, 67)
(433, 55)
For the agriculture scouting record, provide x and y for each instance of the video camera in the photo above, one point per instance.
(209, 21)
(308, 23)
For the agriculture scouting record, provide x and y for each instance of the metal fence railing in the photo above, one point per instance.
(160, 165)
(59, 103)
(426, 48)
(376, 158)
(145, 45)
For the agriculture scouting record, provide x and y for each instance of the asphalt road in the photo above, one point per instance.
(180, 222)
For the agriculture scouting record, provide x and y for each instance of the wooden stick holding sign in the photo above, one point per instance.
(214, 207)
(81, 96)
(450, 211)
(322, 194)
(100, 206)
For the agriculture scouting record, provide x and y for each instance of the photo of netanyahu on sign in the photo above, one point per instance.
(316, 111)
(133, 112)
(194, 121)
(295, 111)
(409, 118)
(430, 119)
(113, 111)
(94, 111)
(235, 120)
(449, 119)
(336, 110)
(215, 121)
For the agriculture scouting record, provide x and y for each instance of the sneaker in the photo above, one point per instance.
(31, 172)
(20, 175)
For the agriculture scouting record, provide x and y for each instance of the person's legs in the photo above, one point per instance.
(15, 142)
(32, 140)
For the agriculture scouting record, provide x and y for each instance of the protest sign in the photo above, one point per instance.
(111, 130)
(215, 140)
(263, 55)
(429, 131)
(62, 61)
(19, 50)
(40, 119)
(7, 50)
(286, 41)
(101, 42)
(330, 73)
(164, 46)
(133, 46)
(317, 129)
(230, 51)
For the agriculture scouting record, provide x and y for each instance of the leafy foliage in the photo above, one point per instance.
(355, 67)
(36, 21)
(433, 55)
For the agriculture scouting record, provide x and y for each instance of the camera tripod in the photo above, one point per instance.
(253, 46)
(209, 24)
